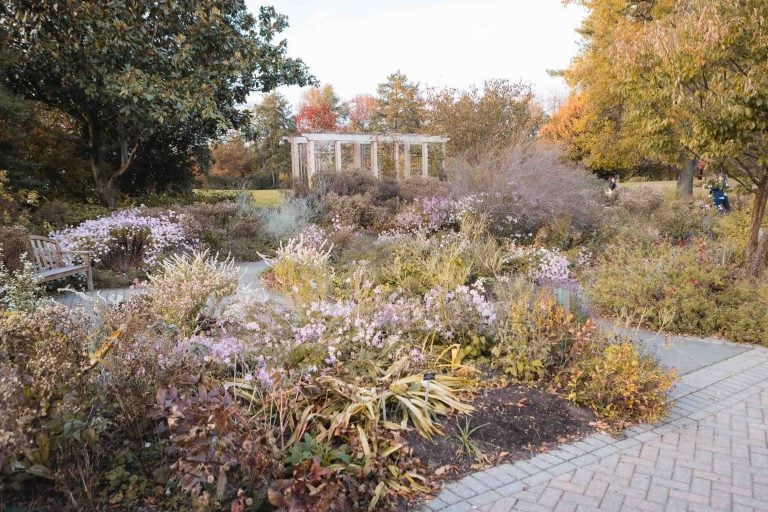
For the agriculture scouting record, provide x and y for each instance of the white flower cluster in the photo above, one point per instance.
(105, 234)
(550, 266)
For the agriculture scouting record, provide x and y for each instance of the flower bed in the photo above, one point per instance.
(127, 238)
(190, 397)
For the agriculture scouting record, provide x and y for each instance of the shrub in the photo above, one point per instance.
(682, 289)
(620, 384)
(356, 184)
(57, 214)
(730, 233)
(418, 264)
(535, 336)
(233, 229)
(358, 211)
(434, 213)
(529, 185)
(14, 243)
(199, 219)
(301, 270)
(287, 219)
(742, 314)
(127, 237)
(681, 220)
(20, 290)
(17, 417)
(640, 201)
(216, 450)
(45, 352)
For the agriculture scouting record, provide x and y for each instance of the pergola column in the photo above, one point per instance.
(442, 160)
(356, 157)
(337, 155)
(375, 159)
(305, 164)
(310, 160)
(407, 159)
(295, 169)
(397, 160)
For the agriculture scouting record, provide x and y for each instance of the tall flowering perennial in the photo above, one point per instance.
(375, 321)
(187, 284)
(159, 235)
(450, 313)
(313, 236)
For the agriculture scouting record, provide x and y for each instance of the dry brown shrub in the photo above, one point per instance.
(356, 210)
(200, 217)
(532, 183)
(14, 242)
(356, 183)
(415, 187)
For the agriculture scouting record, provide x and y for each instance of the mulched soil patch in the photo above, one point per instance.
(516, 422)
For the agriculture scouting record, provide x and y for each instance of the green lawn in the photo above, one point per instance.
(666, 186)
(270, 197)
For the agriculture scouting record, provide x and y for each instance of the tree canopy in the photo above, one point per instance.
(709, 61)
(129, 71)
(399, 105)
(603, 122)
(483, 121)
(271, 120)
(320, 110)
(675, 80)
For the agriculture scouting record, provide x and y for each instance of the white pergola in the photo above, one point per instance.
(304, 162)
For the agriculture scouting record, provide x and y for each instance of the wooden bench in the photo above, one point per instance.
(50, 264)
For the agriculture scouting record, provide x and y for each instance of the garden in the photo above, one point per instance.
(411, 334)
(404, 332)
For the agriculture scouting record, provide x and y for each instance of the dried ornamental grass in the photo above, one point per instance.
(186, 284)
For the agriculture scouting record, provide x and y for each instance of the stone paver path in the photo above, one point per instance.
(709, 455)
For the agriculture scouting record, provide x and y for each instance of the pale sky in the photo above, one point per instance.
(355, 44)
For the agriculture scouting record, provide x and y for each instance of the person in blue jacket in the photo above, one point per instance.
(719, 196)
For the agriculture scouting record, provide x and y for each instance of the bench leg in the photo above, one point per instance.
(89, 275)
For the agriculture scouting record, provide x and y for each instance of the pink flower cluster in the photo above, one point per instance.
(313, 236)
(99, 235)
(435, 213)
(260, 374)
(462, 310)
(216, 350)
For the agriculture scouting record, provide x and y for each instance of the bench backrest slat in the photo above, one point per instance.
(47, 253)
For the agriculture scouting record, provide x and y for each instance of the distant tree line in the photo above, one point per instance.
(478, 120)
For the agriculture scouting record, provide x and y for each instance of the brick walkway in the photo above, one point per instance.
(709, 454)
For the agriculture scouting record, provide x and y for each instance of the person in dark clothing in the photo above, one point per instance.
(719, 196)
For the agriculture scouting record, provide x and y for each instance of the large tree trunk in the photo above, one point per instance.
(685, 178)
(106, 187)
(757, 246)
(104, 175)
